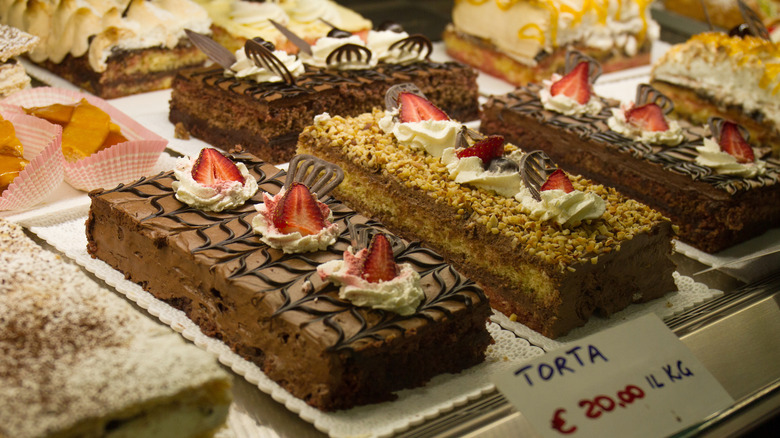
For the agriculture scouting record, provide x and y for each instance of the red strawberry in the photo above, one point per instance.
(575, 84)
(486, 149)
(732, 142)
(414, 108)
(380, 263)
(298, 211)
(212, 167)
(649, 117)
(558, 180)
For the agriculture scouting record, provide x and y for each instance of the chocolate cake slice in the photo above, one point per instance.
(265, 118)
(713, 211)
(273, 308)
(551, 277)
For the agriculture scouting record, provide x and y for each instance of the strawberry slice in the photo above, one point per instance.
(298, 211)
(649, 117)
(380, 264)
(486, 149)
(212, 167)
(733, 143)
(558, 181)
(414, 108)
(575, 84)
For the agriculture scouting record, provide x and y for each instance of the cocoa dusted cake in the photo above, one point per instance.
(551, 263)
(111, 48)
(712, 208)
(76, 360)
(270, 305)
(264, 112)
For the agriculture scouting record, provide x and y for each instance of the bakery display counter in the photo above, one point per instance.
(727, 313)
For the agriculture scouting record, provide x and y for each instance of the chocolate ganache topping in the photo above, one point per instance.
(283, 286)
(679, 159)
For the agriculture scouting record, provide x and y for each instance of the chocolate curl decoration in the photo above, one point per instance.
(575, 57)
(645, 94)
(260, 52)
(349, 53)
(535, 167)
(318, 175)
(465, 134)
(361, 236)
(212, 49)
(753, 21)
(391, 95)
(416, 44)
(716, 126)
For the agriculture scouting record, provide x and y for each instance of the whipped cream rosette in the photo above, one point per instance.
(120, 163)
(44, 172)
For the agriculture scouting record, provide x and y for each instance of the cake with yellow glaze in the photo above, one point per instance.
(737, 78)
(524, 41)
(76, 360)
(551, 276)
(111, 48)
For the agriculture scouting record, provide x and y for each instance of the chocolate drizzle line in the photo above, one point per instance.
(679, 159)
(228, 240)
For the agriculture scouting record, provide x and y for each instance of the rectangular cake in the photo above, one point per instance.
(525, 41)
(111, 48)
(266, 118)
(273, 308)
(551, 276)
(713, 211)
(76, 360)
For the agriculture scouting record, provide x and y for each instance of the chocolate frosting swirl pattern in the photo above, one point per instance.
(679, 159)
(287, 286)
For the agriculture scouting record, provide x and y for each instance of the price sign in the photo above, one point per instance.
(636, 379)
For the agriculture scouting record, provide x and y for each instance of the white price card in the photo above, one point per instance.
(637, 379)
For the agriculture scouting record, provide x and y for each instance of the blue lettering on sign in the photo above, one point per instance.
(560, 365)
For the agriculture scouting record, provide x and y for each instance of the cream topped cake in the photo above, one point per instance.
(734, 77)
(77, 360)
(110, 47)
(524, 41)
(550, 252)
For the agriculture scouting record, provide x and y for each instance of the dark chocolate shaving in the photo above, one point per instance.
(645, 94)
(212, 49)
(417, 44)
(349, 53)
(535, 167)
(319, 176)
(753, 21)
(264, 58)
(299, 42)
(575, 57)
(465, 134)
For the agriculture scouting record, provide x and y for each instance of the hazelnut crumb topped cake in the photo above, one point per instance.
(551, 261)
(77, 360)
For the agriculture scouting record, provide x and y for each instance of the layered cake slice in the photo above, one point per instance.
(13, 43)
(264, 110)
(76, 360)
(247, 273)
(111, 48)
(715, 203)
(733, 77)
(526, 41)
(550, 259)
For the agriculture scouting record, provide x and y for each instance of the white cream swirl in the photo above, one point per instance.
(402, 295)
(618, 123)
(470, 170)
(724, 163)
(564, 104)
(432, 136)
(247, 19)
(218, 197)
(568, 209)
(246, 68)
(294, 242)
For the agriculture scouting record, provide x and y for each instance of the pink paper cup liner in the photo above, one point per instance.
(41, 141)
(120, 163)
